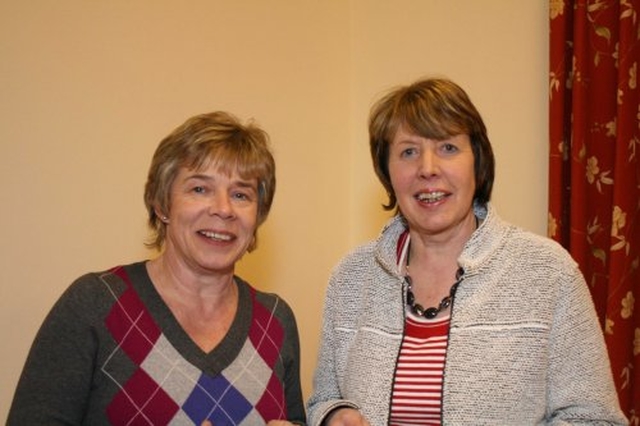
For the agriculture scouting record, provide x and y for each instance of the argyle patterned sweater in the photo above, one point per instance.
(111, 352)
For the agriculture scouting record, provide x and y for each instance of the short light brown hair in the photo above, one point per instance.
(217, 139)
(436, 109)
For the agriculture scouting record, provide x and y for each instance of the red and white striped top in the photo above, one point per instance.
(417, 390)
(416, 397)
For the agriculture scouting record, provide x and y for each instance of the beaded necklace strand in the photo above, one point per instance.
(431, 313)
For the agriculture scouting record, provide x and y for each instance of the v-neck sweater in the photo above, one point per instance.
(111, 352)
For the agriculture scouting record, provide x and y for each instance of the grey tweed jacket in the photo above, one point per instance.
(525, 346)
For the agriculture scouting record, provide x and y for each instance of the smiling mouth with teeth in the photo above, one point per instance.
(431, 197)
(215, 236)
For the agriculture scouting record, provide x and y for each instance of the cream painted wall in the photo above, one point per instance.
(497, 50)
(87, 90)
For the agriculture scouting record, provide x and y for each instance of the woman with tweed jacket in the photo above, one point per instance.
(453, 316)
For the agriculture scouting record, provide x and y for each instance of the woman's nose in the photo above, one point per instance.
(221, 205)
(429, 164)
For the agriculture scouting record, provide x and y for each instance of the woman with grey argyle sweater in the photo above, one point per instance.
(179, 339)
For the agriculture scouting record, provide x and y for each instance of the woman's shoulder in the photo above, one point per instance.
(91, 291)
(357, 255)
(533, 253)
(540, 245)
(89, 297)
(356, 263)
(369, 262)
(522, 242)
(271, 300)
(119, 275)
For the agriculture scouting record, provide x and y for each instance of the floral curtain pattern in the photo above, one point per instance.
(594, 167)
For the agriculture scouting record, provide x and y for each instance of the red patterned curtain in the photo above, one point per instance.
(594, 169)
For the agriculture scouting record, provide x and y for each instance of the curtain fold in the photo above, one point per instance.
(594, 167)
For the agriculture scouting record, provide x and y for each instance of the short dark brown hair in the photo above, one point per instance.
(433, 108)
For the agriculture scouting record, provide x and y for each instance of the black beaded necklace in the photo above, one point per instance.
(431, 313)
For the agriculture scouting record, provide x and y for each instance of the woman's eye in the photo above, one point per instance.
(408, 152)
(241, 196)
(448, 147)
(199, 189)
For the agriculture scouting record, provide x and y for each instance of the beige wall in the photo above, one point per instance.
(87, 89)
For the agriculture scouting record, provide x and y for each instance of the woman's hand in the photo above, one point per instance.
(346, 417)
(271, 423)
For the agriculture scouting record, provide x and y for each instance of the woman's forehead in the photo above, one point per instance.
(215, 167)
(405, 129)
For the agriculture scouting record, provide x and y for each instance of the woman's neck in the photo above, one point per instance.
(173, 278)
(438, 254)
(204, 307)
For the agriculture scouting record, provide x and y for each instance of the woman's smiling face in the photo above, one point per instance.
(434, 181)
(212, 219)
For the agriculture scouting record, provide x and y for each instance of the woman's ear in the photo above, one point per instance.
(163, 217)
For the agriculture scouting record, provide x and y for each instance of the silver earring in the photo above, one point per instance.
(164, 219)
